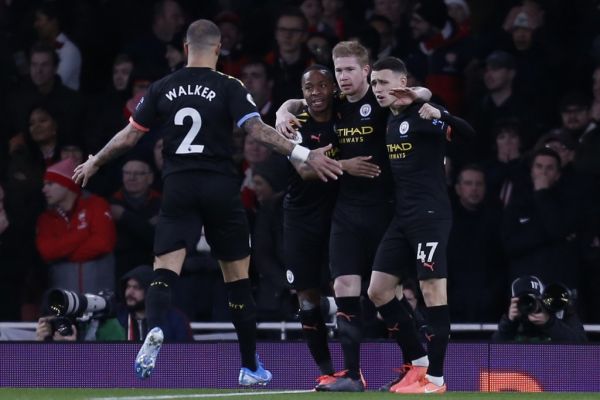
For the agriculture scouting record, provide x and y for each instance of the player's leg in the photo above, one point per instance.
(394, 252)
(314, 329)
(227, 233)
(429, 239)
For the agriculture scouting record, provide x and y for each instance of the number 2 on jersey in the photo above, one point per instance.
(421, 254)
(186, 146)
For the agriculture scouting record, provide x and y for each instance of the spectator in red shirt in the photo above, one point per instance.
(76, 234)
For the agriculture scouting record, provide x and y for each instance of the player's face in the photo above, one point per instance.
(41, 68)
(317, 89)
(382, 82)
(470, 188)
(137, 177)
(134, 295)
(547, 166)
(121, 74)
(54, 193)
(42, 127)
(350, 75)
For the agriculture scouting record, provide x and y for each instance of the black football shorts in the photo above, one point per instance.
(195, 198)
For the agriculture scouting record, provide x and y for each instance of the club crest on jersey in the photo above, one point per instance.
(250, 99)
(403, 127)
(289, 276)
(365, 110)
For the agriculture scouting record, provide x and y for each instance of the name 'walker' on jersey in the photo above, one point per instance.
(200, 106)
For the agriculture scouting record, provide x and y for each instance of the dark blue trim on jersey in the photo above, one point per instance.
(246, 118)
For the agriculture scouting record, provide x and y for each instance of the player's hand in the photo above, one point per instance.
(287, 124)
(360, 166)
(83, 172)
(513, 310)
(539, 318)
(427, 111)
(325, 167)
(404, 95)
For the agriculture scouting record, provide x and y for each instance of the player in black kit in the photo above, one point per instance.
(364, 204)
(418, 234)
(307, 210)
(196, 107)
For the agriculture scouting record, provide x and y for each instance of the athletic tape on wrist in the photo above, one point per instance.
(299, 153)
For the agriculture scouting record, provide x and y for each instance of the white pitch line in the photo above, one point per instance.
(200, 396)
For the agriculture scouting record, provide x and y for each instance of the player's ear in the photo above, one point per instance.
(218, 50)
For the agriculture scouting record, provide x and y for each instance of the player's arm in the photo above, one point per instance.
(459, 126)
(323, 166)
(286, 122)
(119, 144)
(408, 95)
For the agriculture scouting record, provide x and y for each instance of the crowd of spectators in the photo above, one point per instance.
(525, 73)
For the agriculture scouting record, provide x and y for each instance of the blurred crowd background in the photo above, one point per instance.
(524, 73)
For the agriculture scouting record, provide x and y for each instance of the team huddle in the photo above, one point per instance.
(368, 200)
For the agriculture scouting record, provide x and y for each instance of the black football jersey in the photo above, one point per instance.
(360, 128)
(312, 194)
(416, 148)
(195, 109)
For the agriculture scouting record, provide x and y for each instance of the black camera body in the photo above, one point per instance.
(70, 307)
(554, 298)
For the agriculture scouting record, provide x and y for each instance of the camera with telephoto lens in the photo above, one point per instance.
(70, 307)
(554, 298)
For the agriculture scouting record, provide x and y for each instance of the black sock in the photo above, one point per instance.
(401, 326)
(350, 333)
(438, 319)
(158, 296)
(315, 333)
(243, 316)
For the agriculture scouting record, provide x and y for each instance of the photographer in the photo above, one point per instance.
(91, 330)
(538, 314)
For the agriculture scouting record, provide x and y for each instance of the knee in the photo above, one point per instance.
(344, 286)
(379, 296)
(434, 292)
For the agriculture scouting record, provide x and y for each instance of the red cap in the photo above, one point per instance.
(62, 173)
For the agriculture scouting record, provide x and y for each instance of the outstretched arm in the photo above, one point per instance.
(323, 166)
(459, 125)
(119, 144)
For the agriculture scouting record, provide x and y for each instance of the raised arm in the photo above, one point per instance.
(119, 144)
(323, 166)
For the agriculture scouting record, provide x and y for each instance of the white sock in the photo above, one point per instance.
(421, 362)
(436, 380)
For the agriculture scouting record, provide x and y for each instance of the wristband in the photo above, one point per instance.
(299, 153)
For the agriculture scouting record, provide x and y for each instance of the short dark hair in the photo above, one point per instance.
(545, 151)
(392, 63)
(470, 167)
(257, 61)
(41, 47)
(293, 12)
(202, 33)
(321, 68)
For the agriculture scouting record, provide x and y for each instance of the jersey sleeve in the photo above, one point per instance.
(241, 103)
(145, 111)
